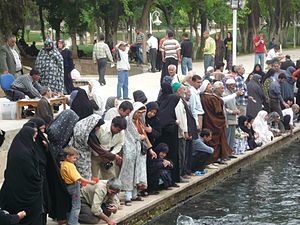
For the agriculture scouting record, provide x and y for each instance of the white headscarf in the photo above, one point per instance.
(95, 93)
(260, 126)
(203, 86)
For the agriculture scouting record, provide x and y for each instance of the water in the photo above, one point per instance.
(265, 193)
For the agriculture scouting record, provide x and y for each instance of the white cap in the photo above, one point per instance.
(230, 81)
(209, 68)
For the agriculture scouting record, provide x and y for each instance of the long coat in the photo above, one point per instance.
(7, 60)
(256, 92)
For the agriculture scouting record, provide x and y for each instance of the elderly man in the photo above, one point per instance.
(231, 111)
(50, 63)
(173, 77)
(27, 84)
(209, 50)
(111, 137)
(10, 60)
(99, 201)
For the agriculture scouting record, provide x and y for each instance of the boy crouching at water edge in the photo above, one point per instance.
(72, 179)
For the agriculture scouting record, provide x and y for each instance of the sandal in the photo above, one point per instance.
(138, 198)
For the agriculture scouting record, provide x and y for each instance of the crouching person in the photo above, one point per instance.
(99, 201)
(202, 153)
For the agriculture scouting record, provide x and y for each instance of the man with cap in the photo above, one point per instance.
(50, 63)
(231, 112)
(27, 84)
(44, 109)
(183, 136)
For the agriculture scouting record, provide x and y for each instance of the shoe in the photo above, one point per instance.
(186, 177)
(211, 166)
(119, 98)
(144, 193)
(153, 193)
(232, 157)
(222, 162)
(182, 180)
(104, 82)
(137, 199)
(128, 203)
(200, 172)
(127, 98)
(175, 185)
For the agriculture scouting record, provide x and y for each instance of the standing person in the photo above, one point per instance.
(152, 43)
(195, 102)
(228, 51)
(258, 70)
(95, 95)
(50, 63)
(84, 140)
(139, 46)
(10, 60)
(241, 101)
(72, 179)
(123, 67)
(170, 54)
(260, 49)
(152, 123)
(22, 187)
(60, 131)
(44, 109)
(275, 95)
(256, 97)
(186, 54)
(209, 50)
(68, 66)
(101, 52)
(220, 48)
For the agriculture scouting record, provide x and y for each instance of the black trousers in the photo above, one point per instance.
(101, 69)
(200, 160)
(286, 122)
(152, 58)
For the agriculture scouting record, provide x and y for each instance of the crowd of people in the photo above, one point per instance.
(72, 167)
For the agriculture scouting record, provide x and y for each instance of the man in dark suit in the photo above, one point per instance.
(10, 60)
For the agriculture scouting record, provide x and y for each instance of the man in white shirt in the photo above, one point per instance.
(273, 55)
(288, 117)
(123, 67)
(152, 43)
(195, 102)
(111, 137)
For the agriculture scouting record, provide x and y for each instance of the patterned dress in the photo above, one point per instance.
(79, 141)
(50, 64)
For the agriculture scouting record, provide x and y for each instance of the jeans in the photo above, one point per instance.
(139, 53)
(186, 64)
(101, 69)
(209, 60)
(74, 191)
(122, 84)
(231, 135)
(260, 59)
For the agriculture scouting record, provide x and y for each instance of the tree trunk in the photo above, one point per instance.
(42, 23)
(74, 45)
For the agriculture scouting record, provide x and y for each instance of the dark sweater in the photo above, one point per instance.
(186, 48)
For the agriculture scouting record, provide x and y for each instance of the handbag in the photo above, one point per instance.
(144, 147)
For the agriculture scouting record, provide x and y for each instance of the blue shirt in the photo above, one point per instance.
(200, 146)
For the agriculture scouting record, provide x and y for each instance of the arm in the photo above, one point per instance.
(108, 53)
(229, 97)
(29, 86)
(94, 53)
(181, 116)
(95, 145)
(117, 148)
(3, 64)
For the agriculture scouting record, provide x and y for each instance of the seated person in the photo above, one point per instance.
(202, 153)
(245, 124)
(260, 126)
(44, 109)
(28, 85)
(288, 117)
(273, 55)
(99, 201)
(158, 170)
(275, 124)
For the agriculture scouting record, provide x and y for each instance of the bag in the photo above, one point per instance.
(144, 147)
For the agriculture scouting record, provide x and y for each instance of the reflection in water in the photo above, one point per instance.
(267, 192)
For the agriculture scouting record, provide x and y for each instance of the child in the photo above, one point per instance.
(72, 178)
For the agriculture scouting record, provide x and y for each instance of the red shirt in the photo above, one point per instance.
(260, 48)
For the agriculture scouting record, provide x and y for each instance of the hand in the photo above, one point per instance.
(92, 182)
(240, 92)
(164, 60)
(286, 105)
(112, 208)
(186, 135)
(143, 137)
(111, 222)
(148, 129)
(21, 214)
(119, 160)
(236, 112)
(152, 153)
(166, 163)
(45, 143)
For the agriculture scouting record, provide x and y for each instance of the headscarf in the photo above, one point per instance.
(272, 117)
(22, 187)
(139, 96)
(260, 72)
(260, 126)
(96, 95)
(166, 113)
(110, 103)
(241, 123)
(81, 105)
(203, 86)
(162, 147)
(153, 122)
(48, 44)
(60, 131)
(166, 89)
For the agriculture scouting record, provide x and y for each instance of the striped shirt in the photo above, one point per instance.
(170, 47)
(100, 51)
(26, 84)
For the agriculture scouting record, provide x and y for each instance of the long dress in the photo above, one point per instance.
(50, 64)
(228, 53)
(22, 187)
(81, 141)
(256, 92)
(60, 131)
(214, 119)
(68, 67)
(133, 171)
(220, 48)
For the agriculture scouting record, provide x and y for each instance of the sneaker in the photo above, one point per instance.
(211, 166)
(200, 172)
(127, 98)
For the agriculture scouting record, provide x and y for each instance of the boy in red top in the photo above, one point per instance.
(260, 49)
